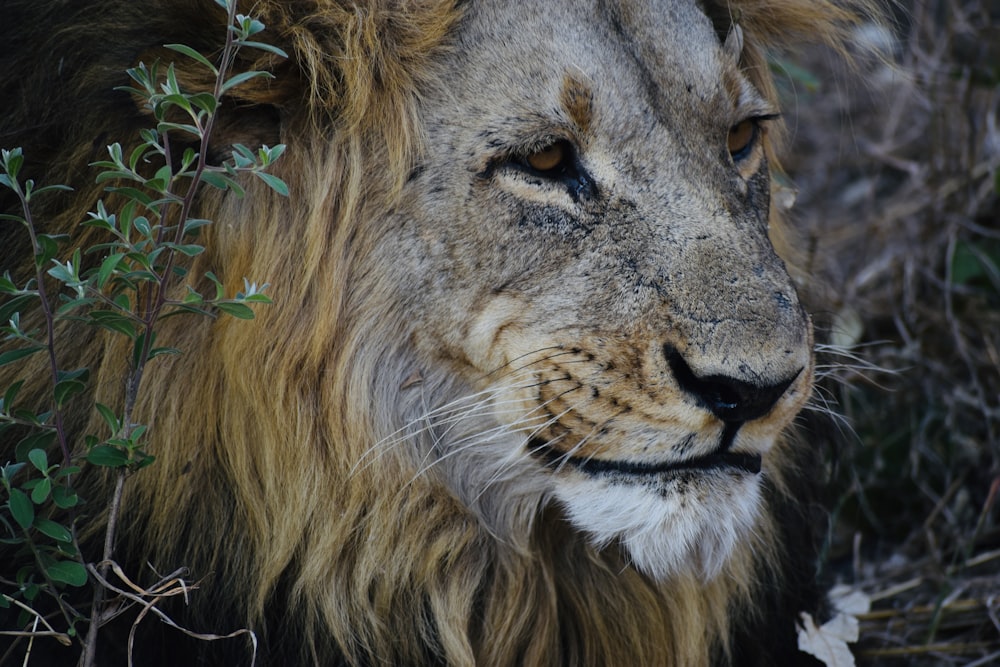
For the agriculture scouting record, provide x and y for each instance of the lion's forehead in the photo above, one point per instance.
(656, 52)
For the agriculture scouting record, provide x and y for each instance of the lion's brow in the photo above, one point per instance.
(577, 99)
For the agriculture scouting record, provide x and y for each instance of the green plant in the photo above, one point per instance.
(123, 284)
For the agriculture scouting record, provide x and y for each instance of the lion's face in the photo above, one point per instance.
(585, 247)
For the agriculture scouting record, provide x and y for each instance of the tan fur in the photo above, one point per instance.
(300, 468)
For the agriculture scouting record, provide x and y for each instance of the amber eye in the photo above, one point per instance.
(549, 158)
(741, 139)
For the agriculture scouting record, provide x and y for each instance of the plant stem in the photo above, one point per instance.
(50, 327)
(149, 319)
(97, 607)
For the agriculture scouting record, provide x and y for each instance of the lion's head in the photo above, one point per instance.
(586, 253)
(521, 395)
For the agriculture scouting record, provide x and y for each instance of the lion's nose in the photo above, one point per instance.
(730, 399)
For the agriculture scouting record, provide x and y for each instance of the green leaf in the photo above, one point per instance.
(56, 531)
(40, 440)
(191, 53)
(219, 289)
(141, 259)
(115, 151)
(141, 223)
(237, 310)
(242, 151)
(7, 285)
(21, 508)
(269, 155)
(144, 459)
(10, 395)
(52, 188)
(192, 296)
(965, 266)
(113, 321)
(243, 77)
(139, 345)
(12, 161)
(164, 127)
(108, 456)
(63, 273)
(137, 433)
(15, 305)
(273, 182)
(141, 75)
(48, 249)
(134, 194)
(66, 390)
(190, 250)
(10, 356)
(110, 418)
(264, 47)
(40, 493)
(66, 471)
(68, 572)
(81, 374)
(8, 470)
(108, 266)
(39, 459)
(164, 174)
(250, 25)
(976, 264)
(204, 101)
(113, 174)
(64, 497)
(222, 182)
(71, 304)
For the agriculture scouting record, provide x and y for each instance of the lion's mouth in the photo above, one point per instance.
(734, 461)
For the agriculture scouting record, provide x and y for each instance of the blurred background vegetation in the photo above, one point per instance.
(897, 168)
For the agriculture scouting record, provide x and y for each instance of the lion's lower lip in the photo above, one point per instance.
(748, 463)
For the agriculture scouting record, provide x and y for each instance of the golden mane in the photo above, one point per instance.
(265, 483)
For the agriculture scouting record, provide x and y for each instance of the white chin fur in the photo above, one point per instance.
(670, 527)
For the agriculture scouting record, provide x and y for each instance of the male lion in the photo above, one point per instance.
(521, 394)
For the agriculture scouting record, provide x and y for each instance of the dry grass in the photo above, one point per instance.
(897, 171)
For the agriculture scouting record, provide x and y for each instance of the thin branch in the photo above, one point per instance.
(50, 326)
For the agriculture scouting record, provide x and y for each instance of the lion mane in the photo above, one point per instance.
(328, 471)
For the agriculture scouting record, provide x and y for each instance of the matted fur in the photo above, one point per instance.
(350, 474)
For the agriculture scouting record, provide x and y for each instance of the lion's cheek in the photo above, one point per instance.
(496, 320)
(683, 524)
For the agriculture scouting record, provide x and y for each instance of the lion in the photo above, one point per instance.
(525, 392)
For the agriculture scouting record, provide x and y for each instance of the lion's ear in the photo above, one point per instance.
(725, 20)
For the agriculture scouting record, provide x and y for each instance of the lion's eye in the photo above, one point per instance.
(551, 160)
(741, 139)
(554, 164)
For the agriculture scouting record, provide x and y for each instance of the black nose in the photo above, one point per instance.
(729, 399)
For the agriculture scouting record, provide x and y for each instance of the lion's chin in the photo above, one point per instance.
(684, 523)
